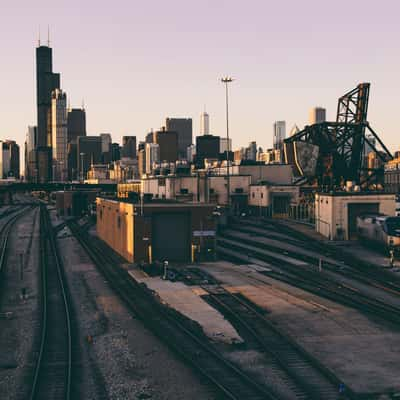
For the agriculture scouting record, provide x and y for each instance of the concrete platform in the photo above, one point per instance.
(187, 301)
(360, 351)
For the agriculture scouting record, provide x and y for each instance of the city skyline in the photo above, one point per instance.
(125, 86)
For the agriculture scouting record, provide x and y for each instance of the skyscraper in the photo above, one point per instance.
(9, 159)
(59, 133)
(46, 82)
(279, 134)
(207, 146)
(183, 127)
(168, 142)
(30, 154)
(106, 148)
(129, 146)
(205, 124)
(88, 153)
(76, 127)
(152, 156)
(76, 124)
(317, 115)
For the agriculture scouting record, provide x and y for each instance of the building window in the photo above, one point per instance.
(262, 195)
(101, 214)
(253, 195)
(119, 221)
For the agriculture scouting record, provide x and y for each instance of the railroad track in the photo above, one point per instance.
(302, 373)
(5, 234)
(307, 277)
(52, 373)
(368, 272)
(171, 327)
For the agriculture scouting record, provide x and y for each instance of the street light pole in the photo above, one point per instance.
(81, 170)
(227, 80)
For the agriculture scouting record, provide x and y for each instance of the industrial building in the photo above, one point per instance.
(336, 212)
(173, 232)
(272, 200)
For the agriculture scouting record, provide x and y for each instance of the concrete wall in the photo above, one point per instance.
(279, 174)
(218, 185)
(261, 195)
(115, 225)
(331, 211)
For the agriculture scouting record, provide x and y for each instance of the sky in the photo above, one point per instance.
(134, 63)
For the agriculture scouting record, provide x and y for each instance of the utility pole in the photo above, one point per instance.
(227, 80)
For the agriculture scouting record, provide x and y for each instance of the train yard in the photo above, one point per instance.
(282, 294)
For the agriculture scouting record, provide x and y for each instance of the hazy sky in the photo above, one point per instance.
(136, 62)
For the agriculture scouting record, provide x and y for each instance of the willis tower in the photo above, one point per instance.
(46, 82)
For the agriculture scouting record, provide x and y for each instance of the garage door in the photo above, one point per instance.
(171, 237)
(356, 209)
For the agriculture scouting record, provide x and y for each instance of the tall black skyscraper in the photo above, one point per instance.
(46, 82)
(183, 127)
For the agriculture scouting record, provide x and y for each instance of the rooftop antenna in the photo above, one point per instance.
(83, 104)
(39, 37)
(48, 35)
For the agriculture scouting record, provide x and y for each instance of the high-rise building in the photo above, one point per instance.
(30, 154)
(207, 146)
(43, 161)
(149, 137)
(152, 156)
(191, 153)
(9, 159)
(46, 82)
(251, 151)
(279, 134)
(59, 135)
(76, 124)
(129, 146)
(225, 145)
(168, 142)
(183, 127)
(142, 161)
(317, 115)
(205, 124)
(106, 156)
(88, 153)
(115, 152)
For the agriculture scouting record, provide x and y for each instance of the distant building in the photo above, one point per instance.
(149, 137)
(142, 161)
(30, 154)
(279, 134)
(207, 147)
(59, 135)
(224, 145)
(191, 153)
(43, 160)
(317, 115)
(76, 124)
(152, 156)
(168, 142)
(88, 153)
(9, 159)
(251, 151)
(46, 82)
(129, 146)
(106, 157)
(183, 127)
(205, 124)
(115, 152)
